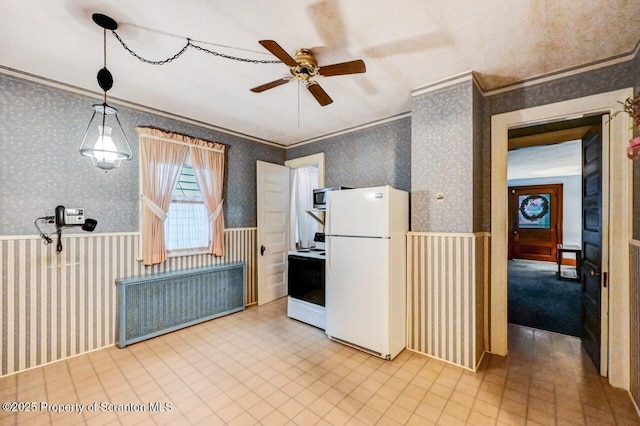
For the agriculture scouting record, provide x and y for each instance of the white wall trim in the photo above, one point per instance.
(450, 81)
(545, 78)
(633, 401)
(620, 214)
(84, 235)
(448, 234)
(309, 160)
(446, 361)
(99, 234)
(294, 163)
(446, 82)
(634, 243)
(352, 129)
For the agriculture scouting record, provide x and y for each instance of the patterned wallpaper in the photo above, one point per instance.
(374, 156)
(600, 80)
(478, 165)
(442, 160)
(41, 128)
(40, 134)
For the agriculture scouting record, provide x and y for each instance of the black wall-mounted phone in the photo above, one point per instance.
(68, 217)
(63, 218)
(60, 216)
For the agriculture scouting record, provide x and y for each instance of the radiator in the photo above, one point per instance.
(151, 305)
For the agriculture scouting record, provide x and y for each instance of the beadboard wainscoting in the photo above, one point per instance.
(634, 302)
(447, 291)
(53, 306)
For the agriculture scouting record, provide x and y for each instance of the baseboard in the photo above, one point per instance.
(444, 360)
(633, 401)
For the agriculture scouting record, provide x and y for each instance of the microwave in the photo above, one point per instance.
(320, 196)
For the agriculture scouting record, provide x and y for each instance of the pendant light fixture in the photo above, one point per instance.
(104, 140)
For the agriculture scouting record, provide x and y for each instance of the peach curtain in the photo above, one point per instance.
(161, 166)
(207, 160)
(162, 155)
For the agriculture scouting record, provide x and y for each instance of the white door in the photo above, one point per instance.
(273, 230)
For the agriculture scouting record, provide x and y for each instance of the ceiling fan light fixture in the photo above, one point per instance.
(303, 65)
(307, 65)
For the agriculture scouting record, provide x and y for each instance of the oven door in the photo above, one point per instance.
(306, 279)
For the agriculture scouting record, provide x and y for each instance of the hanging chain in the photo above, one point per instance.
(184, 49)
(235, 58)
(147, 61)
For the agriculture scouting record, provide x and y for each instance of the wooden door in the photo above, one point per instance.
(535, 221)
(273, 230)
(592, 237)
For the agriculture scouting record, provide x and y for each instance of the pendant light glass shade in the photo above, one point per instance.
(104, 140)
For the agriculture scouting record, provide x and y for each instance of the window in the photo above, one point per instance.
(189, 213)
(187, 227)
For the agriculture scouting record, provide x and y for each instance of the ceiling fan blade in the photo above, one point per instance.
(352, 67)
(319, 93)
(271, 85)
(278, 52)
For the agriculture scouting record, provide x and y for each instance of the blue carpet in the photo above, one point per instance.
(538, 299)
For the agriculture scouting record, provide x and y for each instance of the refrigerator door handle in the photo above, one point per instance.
(328, 227)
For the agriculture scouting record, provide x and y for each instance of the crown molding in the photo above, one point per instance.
(11, 72)
(351, 129)
(447, 82)
(556, 75)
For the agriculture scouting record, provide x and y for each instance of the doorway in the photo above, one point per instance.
(545, 207)
(274, 224)
(307, 173)
(563, 307)
(616, 211)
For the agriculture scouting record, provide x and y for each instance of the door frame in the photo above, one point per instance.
(618, 206)
(308, 160)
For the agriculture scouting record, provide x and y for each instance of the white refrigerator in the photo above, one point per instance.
(366, 269)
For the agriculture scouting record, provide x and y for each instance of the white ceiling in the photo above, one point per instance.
(563, 159)
(405, 44)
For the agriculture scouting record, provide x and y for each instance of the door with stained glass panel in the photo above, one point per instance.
(535, 221)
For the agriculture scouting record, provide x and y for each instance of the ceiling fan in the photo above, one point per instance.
(303, 66)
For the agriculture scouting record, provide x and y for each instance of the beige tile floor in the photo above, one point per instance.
(260, 367)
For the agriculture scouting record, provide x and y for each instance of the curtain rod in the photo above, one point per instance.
(146, 135)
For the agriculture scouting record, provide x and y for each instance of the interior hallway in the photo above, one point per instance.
(260, 367)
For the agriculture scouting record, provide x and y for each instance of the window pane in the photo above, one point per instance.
(187, 225)
(187, 185)
(533, 211)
